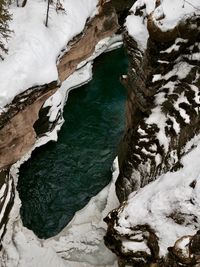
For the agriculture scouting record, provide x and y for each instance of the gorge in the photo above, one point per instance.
(154, 219)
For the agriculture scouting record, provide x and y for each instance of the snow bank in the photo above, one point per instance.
(34, 48)
(169, 205)
(165, 15)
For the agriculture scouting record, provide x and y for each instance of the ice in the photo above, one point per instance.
(79, 244)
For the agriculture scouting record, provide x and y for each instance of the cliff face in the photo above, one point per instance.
(163, 103)
(101, 26)
(162, 113)
(25, 119)
(17, 133)
(122, 8)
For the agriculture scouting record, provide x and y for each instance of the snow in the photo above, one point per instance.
(170, 194)
(184, 242)
(33, 53)
(166, 16)
(174, 11)
(182, 112)
(150, 5)
(138, 30)
(80, 244)
(158, 159)
(141, 131)
(2, 190)
(7, 199)
(156, 77)
(181, 70)
(163, 203)
(135, 247)
(159, 118)
(176, 125)
(196, 90)
(174, 47)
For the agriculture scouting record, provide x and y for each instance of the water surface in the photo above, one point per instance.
(61, 177)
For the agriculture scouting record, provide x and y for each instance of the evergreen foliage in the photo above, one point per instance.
(4, 27)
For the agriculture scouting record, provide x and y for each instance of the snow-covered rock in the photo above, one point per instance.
(34, 48)
(159, 168)
(163, 99)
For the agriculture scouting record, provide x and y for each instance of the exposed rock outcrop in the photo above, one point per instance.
(162, 115)
(101, 26)
(122, 9)
(17, 133)
(163, 104)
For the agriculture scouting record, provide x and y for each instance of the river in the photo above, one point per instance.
(61, 177)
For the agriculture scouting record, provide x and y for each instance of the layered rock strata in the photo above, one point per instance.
(103, 25)
(163, 103)
(156, 225)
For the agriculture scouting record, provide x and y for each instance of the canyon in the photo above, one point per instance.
(157, 221)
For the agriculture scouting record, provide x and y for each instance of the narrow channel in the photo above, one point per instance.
(61, 177)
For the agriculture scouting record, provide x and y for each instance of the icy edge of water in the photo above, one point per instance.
(80, 243)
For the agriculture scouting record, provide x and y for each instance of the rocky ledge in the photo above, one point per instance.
(158, 221)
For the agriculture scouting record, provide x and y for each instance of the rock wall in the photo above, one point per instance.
(122, 9)
(82, 47)
(162, 109)
(162, 116)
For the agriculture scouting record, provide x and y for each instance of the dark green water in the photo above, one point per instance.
(61, 177)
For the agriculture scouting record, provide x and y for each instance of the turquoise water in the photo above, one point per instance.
(61, 177)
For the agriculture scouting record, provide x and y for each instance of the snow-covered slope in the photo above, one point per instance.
(34, 48)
